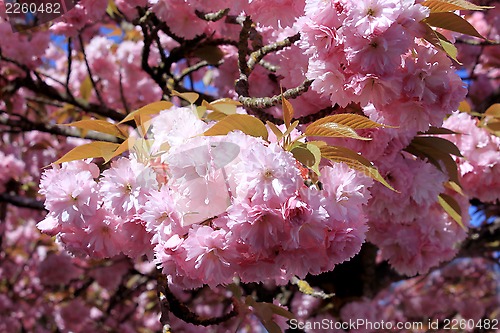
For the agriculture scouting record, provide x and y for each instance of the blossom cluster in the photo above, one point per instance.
(480, 165)
(208, 208)
(373, 52)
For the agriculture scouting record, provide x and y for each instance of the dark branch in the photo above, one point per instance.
(267, 102)
(24, 125)
(22, 201)
(212, 17)
(89, 71)
(257, 56)
(170, 303)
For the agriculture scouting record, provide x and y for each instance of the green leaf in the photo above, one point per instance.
(440, 42)
(265, 311)
(451, 206)
(309, 155)
(86, 88)
(454, 187)
(101, 126)
(453, 22)
(200, 111)
(124, 146)
(148, 110)
(354, 161)
(464, 107)
(493, 126)
(451, 5)
(210, 53)
(437, 143)
(424, 149)
(351, 120)
(245, 123)
(224, 105)
(493, 110)
(90, 150)
(288, 111)
(305, 287)
(275, 130)
(291, 128)
(333, 130)
(216, 115)
(112, 10)
(191, 97)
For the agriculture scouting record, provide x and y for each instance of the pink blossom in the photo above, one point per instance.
(205, 254)
(123, 187)
(479, 168)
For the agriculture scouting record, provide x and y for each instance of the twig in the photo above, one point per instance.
(170, 303)
(68, 71)
(89, 71)
(477, 42)
(257, 56)
(22, 201)
(267, 102)
(194, 68)
(25, 125)
(122, 94)
(212, 17)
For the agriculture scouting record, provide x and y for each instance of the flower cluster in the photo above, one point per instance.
(227, 206)
(373, 52)
(480, 165)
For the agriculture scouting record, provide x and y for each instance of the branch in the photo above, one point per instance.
(169, 302)
(22, 201)
(482, 240)
(122, 94)
(194, 68)
(98, 94)
(477, 42)
(39, 87)
(69, 62)
(267, 102)
(257, 56)
(241, 85)
(212, 17)
(25, 125)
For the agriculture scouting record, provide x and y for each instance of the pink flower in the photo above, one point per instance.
(123, 187)
(260, 228)
(480, 166)
(265, 174)
(159, 213)
(170, 126)
(373, 16)
(104, 238)
(346, 191)
(205, 256)
(71, 195)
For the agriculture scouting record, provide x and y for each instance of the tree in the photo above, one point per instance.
(287, 165)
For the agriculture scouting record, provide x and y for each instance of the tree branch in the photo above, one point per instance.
(267, 102)
(22, 201)
(89, 71)
(25, 125)
(169, 302)
(212, 17)
(257, 56)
